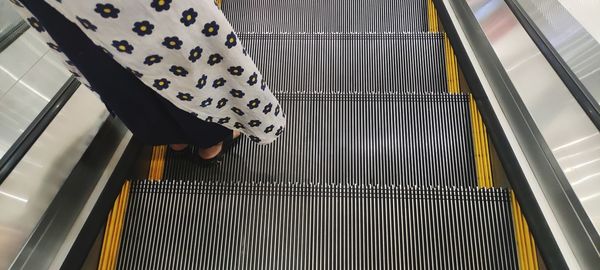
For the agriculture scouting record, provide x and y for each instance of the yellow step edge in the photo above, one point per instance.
(114, 228)
(451, 67)
(526, 250)
(432, 17)
(219, 3)
(481, 148)
(157, 163)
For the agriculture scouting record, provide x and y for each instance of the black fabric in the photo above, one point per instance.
(150, 117)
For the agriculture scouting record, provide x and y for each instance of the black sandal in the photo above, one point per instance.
(228, 144)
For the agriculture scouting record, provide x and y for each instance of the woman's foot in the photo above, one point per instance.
(213, 151)
(178, 147)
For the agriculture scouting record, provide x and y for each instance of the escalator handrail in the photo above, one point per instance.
(535, 161)
(560, 66)
(13, 34)
(21, 146)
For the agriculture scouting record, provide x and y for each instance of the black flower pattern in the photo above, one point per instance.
(263, 84)
(253, 103)
(236, 71)
(277, 110)
(185, 96)
(160, 5)
(238, 125)
(219, 82)
(209, 119)
(75, 73)
(268, 108)
(269, 129)
(253, 79)
(201, 82)
(172, 43)
(36, 24)
(231, 40)
(161, 84)
(205, 103)
(188, 17)
(107, 10)
(69, 63)
(222, 103)
(87, 24)
(152, 59)
(224, 120)
(122, 46)
(254, 139)
(237, 111)
(135, 72)
(255, 123)
(54, 46)
(211, 29)
(237, 93)
(195, 54)
(214, 59)
(16, 3)
(279, 131)
(178, 71)
(143, 28)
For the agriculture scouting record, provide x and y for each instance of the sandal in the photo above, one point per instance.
(228, 144)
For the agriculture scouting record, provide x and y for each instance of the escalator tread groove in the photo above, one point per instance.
(250, 225)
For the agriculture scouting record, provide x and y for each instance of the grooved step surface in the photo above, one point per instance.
(389, 139)
(350, 63)
(198, 225)
(327, 16)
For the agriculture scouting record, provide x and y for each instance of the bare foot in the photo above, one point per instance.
(178, 147)
(213, 151)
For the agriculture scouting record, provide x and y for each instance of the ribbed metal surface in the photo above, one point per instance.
(327, 16)
(390, 139)
(328, 63)
(198, 225)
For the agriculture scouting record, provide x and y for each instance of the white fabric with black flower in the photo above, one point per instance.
(187, 51)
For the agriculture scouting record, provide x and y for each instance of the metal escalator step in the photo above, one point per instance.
(422, 139)
(200, 225)
(328, 63)
(327, 16)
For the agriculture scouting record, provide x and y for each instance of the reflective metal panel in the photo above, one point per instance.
(568, 131)
(29, 189)
(30, 76)
(8, 17)
(572, 40)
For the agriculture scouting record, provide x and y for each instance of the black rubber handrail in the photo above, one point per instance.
(13, 34)
(576, 87)
(22, 145)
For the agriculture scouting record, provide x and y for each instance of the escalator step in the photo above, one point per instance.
(416, 139)
(330, 63)
(199, 225)
(327, 16)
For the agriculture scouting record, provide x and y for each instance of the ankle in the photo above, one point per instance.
(210, 152)
(178, 147)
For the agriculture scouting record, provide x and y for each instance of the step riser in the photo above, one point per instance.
(194, 225)
(326, 16)
(386, 139)
(359, 63)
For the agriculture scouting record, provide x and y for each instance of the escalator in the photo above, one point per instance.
(385, 163)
